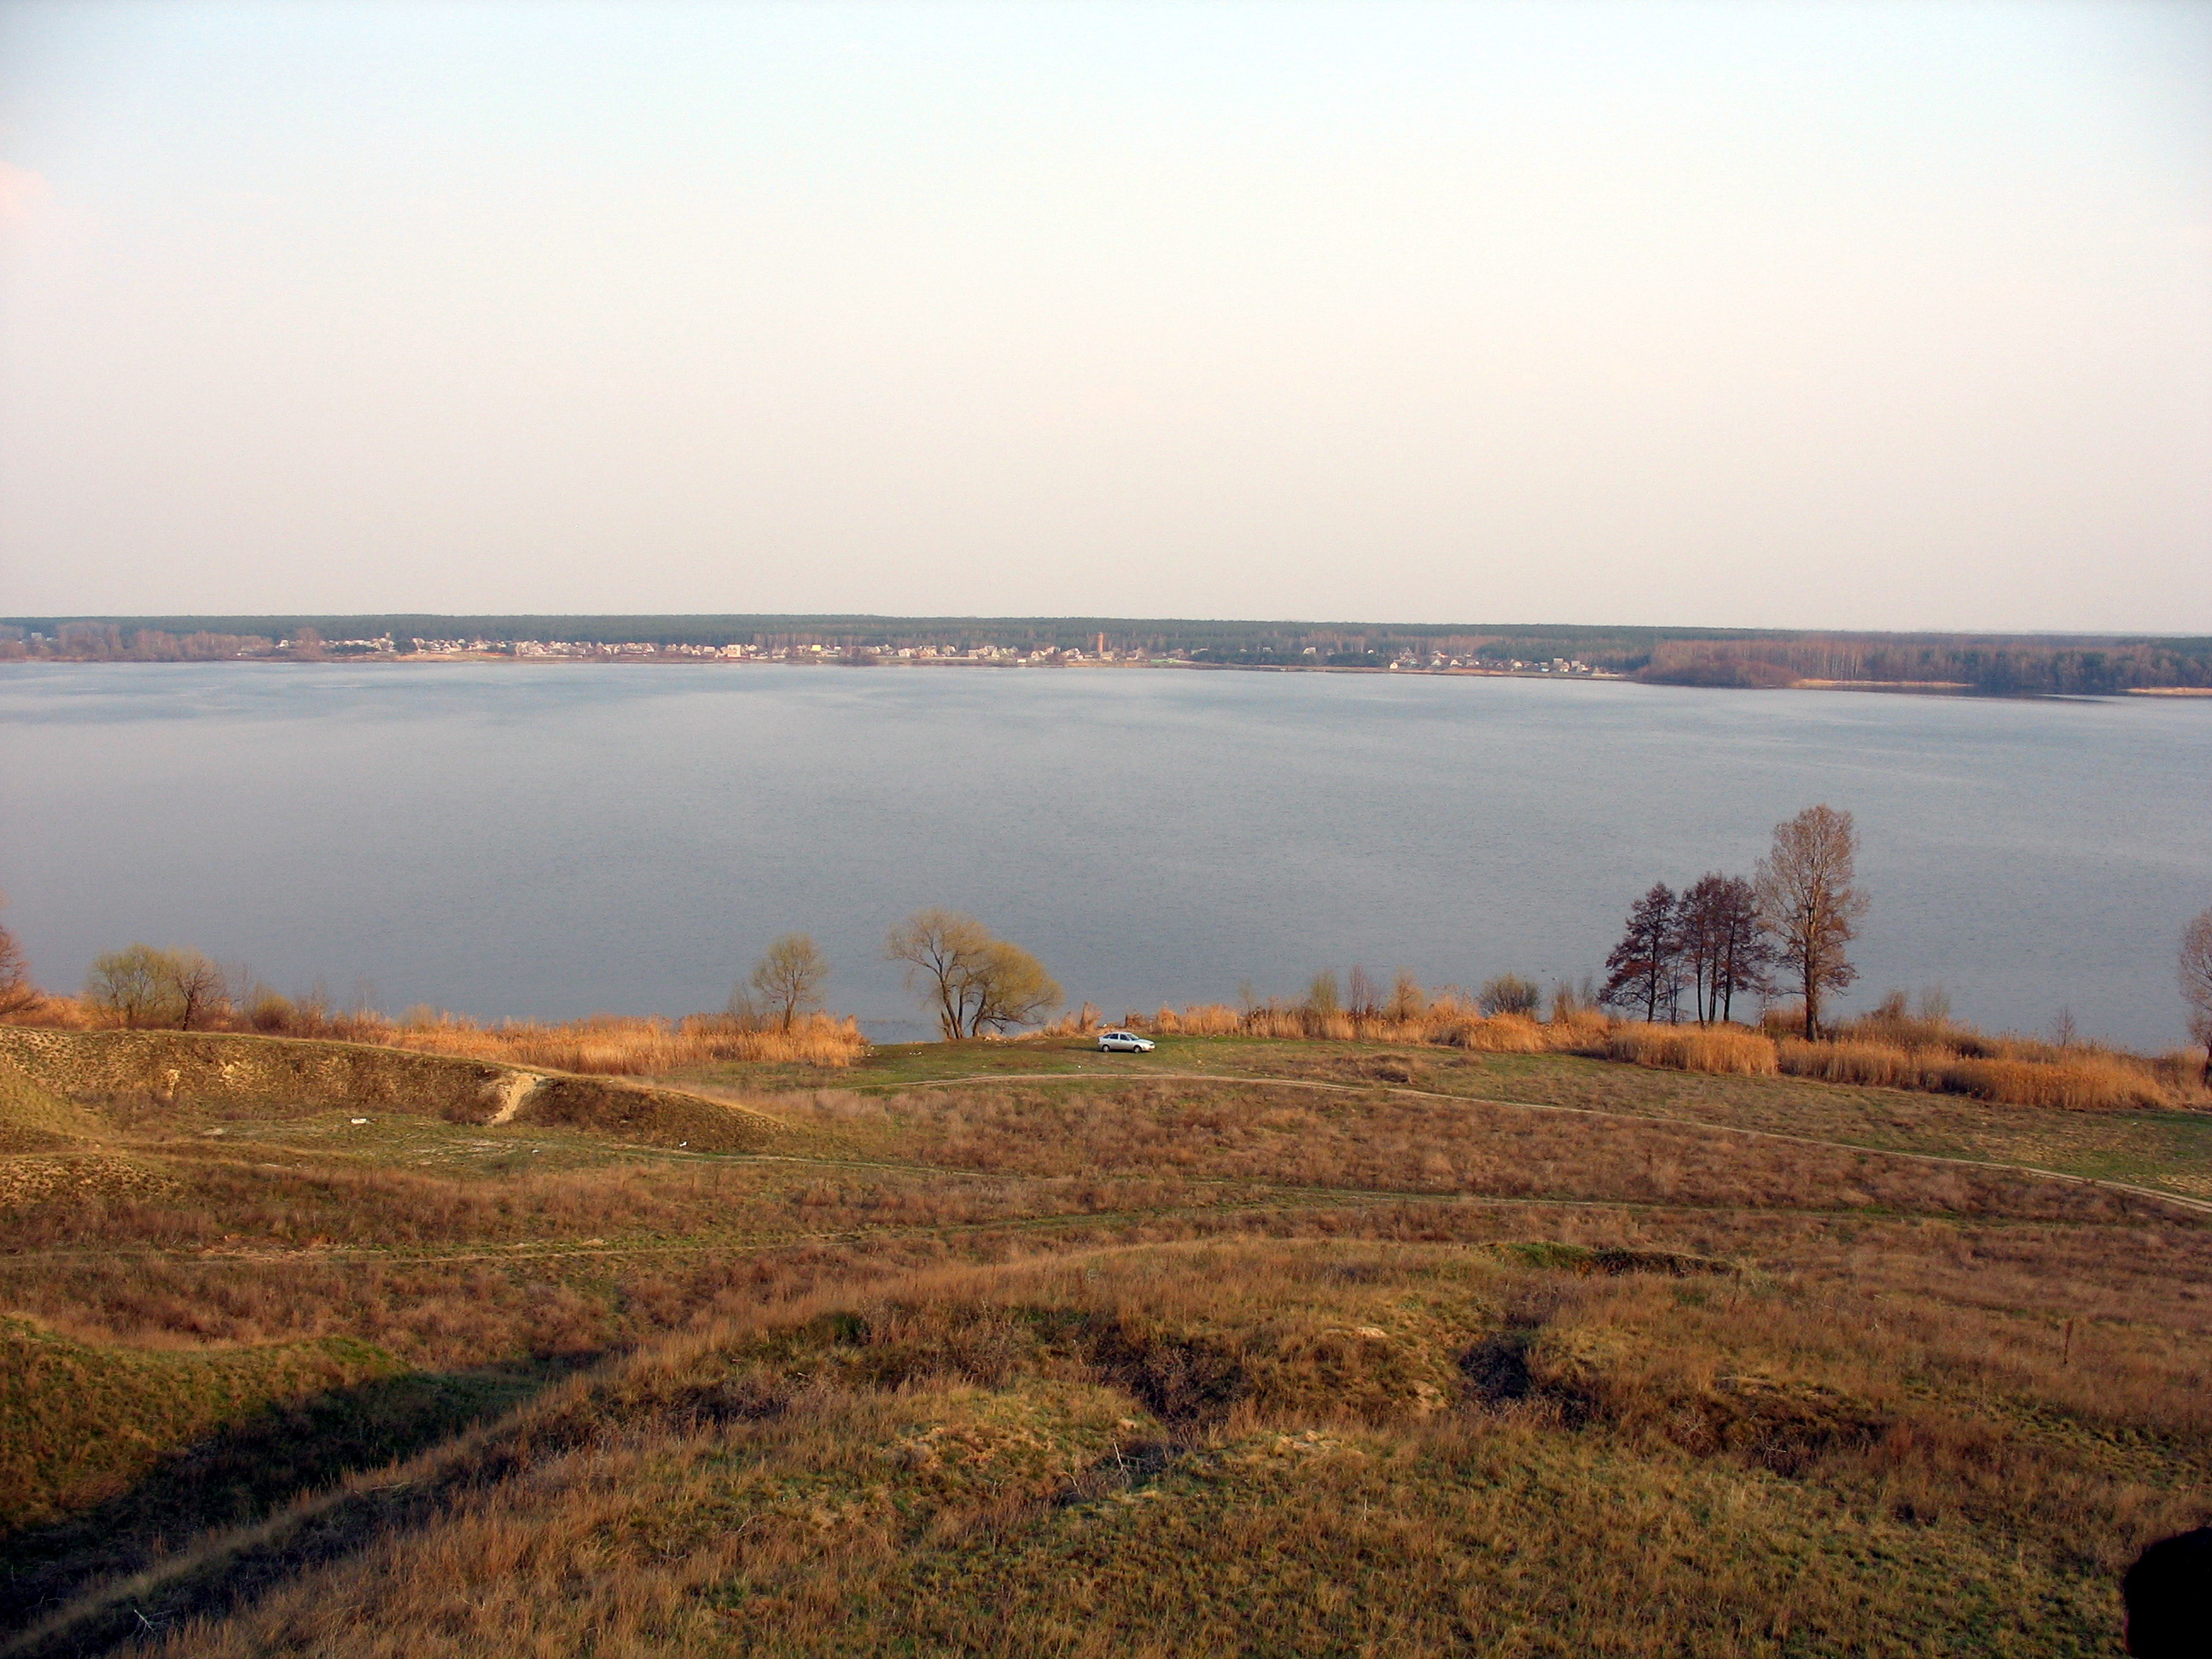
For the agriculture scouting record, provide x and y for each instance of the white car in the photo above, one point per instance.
(1124, 1043)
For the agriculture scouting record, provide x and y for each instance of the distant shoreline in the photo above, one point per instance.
(1588, 676)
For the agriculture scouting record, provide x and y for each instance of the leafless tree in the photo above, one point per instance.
(1011, 988)
(1408, 1001)
(197, 988)
(789, 977)
(1322, 999)
(2195, 965)
(1724, 949)
(1810, 904)
(1365, 996)
(973, 979)
(941, 949)
(1645, 970)
(16, 991)
(134, 982)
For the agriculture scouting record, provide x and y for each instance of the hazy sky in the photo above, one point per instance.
(1790, 314)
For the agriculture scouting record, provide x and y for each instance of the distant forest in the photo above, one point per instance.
(2010, 665)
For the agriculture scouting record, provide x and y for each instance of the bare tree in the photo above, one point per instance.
(941, 949)
(1364, 995)
(1408, 1001)
(198, 989)
(974, 980)
(1810, 904)
(136, 982)
(2195, 965)
(147, 987)
(16, 991)
(1724, 949)
(1011, 988)
(1321, 1000)
(789, 977)
(1645, 970)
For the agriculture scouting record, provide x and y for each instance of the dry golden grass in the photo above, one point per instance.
(605, 1044)
(1721, 1050)
(1381, 1141)
(1170, 1451)
(1116, 1365)
(2082, 1080)
(2091, 1083)
(1885, 1049)
(1447, 1022)
(613, 1044)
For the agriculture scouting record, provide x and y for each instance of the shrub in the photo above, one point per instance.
(1509, 994)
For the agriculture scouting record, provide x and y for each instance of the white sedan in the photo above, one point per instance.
(1124, 1043)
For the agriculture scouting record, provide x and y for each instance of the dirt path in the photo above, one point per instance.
(515, 1088)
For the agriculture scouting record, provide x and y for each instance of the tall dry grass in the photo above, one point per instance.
(606, 1044)
(1450, 1020)
(1722, 1049)
(618, 1044)
(1886, 1048)
(2078, 1081)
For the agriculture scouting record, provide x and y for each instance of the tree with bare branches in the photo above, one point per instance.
(1644, 971)
(1810, 904)
(941, 949)
(147, 987)
(2195, 966)
(973, 980)
(16, 991)
(1011, 988)
(1724, 949)
(789, 977)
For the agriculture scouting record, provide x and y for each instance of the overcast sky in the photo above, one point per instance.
(1797, 315)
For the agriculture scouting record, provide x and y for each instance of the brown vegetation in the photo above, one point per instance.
(616, 1044)
(1112, 1365)
(163, 1074)
(1175, 1448)
(604, 1044)
(2005, 667)
(1450, 1020)
(1723, 1050)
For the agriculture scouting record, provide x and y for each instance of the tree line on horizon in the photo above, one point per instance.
(1993, 664)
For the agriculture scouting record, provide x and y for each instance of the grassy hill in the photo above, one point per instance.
(1240, 1346)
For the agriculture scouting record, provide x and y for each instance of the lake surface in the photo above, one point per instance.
(547, 840)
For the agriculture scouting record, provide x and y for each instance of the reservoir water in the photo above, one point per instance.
(550, 839)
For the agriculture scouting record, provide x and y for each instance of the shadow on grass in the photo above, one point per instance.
(242, 1474)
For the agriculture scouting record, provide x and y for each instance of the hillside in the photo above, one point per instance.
(1241, 1346)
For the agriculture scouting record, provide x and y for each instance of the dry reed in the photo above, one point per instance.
(1450, 1021)
(1724, 1050)
(606, 1044)
(2078, 1081)
(613, 1044)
